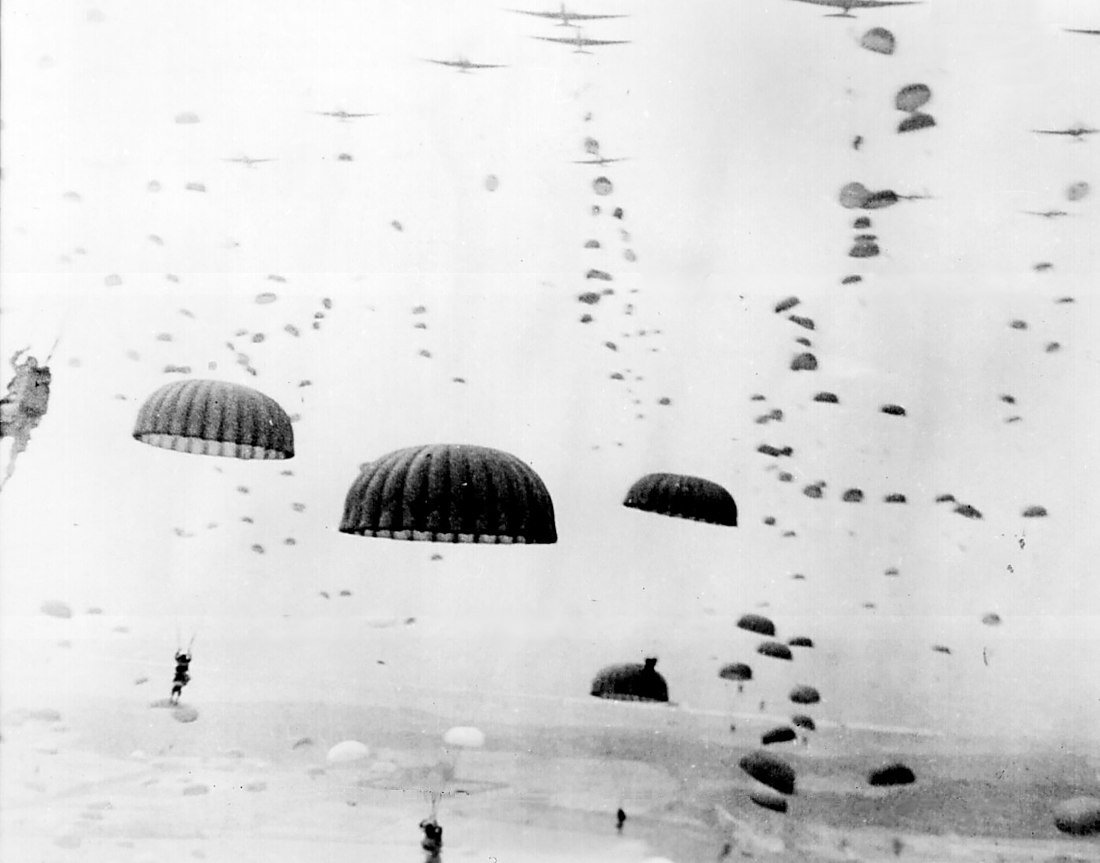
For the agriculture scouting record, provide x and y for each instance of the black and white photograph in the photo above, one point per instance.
(515, 431)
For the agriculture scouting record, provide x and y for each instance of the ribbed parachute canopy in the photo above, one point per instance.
(779, 734)
(912, 96)
(800, 641)
(916, 121)
(770, 770)
(805, 695)
(450, 493)
(756, 623)
(682, 496)
(207, 417)
(878, 39)
(631, 682)
(736, 671)
(774, 649)
(801, 720)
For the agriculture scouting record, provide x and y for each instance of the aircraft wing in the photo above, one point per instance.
(598, 161)
(484, 66)
(580, 16)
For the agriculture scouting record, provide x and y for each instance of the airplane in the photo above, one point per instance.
(580, 42)
(1048, 214)
(599, 160)
(567, 17)
(1077, 132)
(246, 161)
(1085, 32)
(465, 66)
(848, 5)
(343, 115)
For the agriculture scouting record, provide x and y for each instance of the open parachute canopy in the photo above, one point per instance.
(916, 121)
(464, 737)
(803, 694)
(769, 770)
(450, 493)
(736, 671)
(207, 417)
(779, 734)
(878, 39)
(775, 650)
(631, 682)
(912, 96)
(756, 623)
(682, 496)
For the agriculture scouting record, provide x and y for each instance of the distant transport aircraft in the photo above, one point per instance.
(600, 160)
(247, 161)
(463, 65)
(1048, 214)
(580, 43)
(1085, 32)
(343, 115)
(1077, 132)
(566, 17)
(847, 5)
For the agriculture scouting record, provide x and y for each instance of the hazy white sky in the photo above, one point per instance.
(737, 121)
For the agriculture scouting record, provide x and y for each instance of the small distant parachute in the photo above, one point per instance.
(893, 410)
(492, 183)
(736, 671)
(808, 323)
(769, 800)
(805, 362)
(801, 720)
(775, 649)
(991, 619)
(631, 682)
(915, 122)
(346, 751)
(187, 117)
(813, 491)
(464, 737)
(862, 223)
(208, 417)
(259, 549)
(592, 244)
(602, 186)
(827, 398)
(892, 774)
(112, 281)
(912, 96)
(683, 496)
(266, 297)
(851, 280)
(852, 495)
(880, 200)
(1035, 512)
(769, 770)
(450, 493)
(195, 187)
(805, 695)
(1077, 191)
(756, 623)
(779, 734)
(894, 498)
(800, 641)
(598, 274)
(968, 511)
(864, 249)
(945, 498)
(1053, 347)
(592, 146)
(879, 40)
(941, 648)
(774, 451)
(788, 303)
(853, 196)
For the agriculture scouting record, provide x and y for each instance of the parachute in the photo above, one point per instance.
(991, 619)
(862, 223)
(1077, 191)
(805, 695)
(892, 774)
(768, 800)
(464, 737)
(864, 249)
(808, 323)
(736, 671)
(215, 418)
(852, 495)
(682, 496)
(1078, 816)
(894, 498)
(769, 770)
(851, 280)
(602, 186)
(775, 650)
(805, 362)
(878, 39)
(801, 720)
(756, 623)
(800, 641)
(631, 682)
(968, 511)
(827, 398)
(853, 196)
(1035, 512)
(916, 121)
(779, 734)
(492, 183)
(450, 493)
(346, 751)
(788, 303)
(24, 405)
(814, 490)
(893, 410)
(912, 96)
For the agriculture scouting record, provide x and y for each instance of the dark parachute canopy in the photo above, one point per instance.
(736, 671)
(805, 695)
(800, 641)
(450, 493)
(852, 495)
(768, 800)
(683, 496)
(756, 623)
(892, 774)
(864, 249)
(878, 39)
(207, 417)
(912, 96)
(827, 398)
(779, 734)
(1079, 816)
(631, 682)
(916, 121)
(805, 362)
(769, 770)
(775, 650)
(801, 720)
